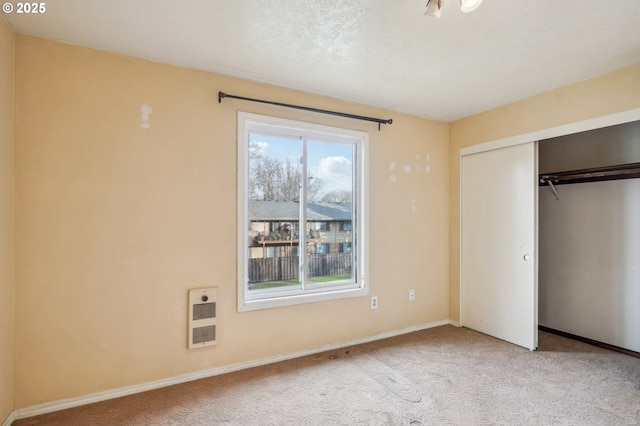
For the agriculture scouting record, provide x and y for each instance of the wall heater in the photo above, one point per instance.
(202, 317)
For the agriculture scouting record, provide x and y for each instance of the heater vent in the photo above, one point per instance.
(204, 311)
(202, 317)
(204, 334)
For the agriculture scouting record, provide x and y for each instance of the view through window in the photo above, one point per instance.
(294, 174)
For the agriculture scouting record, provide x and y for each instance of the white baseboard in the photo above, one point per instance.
(10, 419)
(170, 381)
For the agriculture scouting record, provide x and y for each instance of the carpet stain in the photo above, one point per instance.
(393, 381)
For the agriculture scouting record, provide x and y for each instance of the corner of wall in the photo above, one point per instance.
(7, 222)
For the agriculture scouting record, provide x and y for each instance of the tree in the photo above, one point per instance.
(271, 179)
(289, 181)
(314, 185)
(266, 178)
(338, 196)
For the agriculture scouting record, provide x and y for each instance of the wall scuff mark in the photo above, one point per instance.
(146, 114)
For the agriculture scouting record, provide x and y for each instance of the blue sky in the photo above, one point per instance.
(330, 162)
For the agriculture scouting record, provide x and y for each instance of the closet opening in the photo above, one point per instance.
(589, 236)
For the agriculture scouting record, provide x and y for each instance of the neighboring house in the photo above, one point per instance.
(275, 232)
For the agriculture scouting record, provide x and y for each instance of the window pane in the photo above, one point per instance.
(329, 211)
(302, 212)
(274, 175)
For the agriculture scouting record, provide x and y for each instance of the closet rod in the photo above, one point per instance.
(595, 174)
(222, 95)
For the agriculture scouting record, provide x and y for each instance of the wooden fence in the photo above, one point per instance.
(286, 268)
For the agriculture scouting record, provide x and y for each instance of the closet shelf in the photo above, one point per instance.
(596, 174)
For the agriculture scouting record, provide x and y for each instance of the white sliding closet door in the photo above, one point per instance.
(498, 243)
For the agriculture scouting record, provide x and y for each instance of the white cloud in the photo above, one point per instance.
(335, 173)
(259, 147)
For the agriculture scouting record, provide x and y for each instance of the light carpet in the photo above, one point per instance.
(439, 376)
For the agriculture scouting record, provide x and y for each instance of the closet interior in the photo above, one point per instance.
(589, 236)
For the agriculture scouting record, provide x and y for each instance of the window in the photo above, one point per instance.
(321, 248)
(319, 226)
(345, 247)
(292, 173)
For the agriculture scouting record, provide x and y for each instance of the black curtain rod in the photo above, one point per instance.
(222, 95)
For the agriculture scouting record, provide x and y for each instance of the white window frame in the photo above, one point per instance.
(248, 122)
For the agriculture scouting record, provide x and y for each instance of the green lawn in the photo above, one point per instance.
(275, 284)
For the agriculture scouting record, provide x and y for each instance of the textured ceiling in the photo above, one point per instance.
(383, 53)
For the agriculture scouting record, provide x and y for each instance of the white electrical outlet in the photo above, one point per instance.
(412, 295)
(374, 302)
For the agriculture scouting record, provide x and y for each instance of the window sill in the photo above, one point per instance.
(277, 302)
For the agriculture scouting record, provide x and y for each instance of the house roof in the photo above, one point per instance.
(290, 210)
(377, 52)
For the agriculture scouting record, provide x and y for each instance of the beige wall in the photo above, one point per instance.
(7, 146)
(7, 119)
(608, 94)
(116, 222)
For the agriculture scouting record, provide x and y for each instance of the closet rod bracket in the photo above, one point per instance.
(553, 188)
